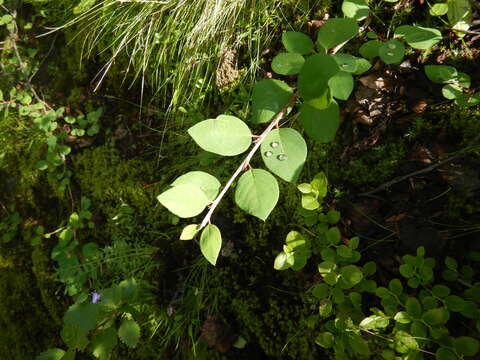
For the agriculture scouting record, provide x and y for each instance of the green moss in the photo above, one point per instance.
(266, 315)
(108, 180)
(20, 149)
(45, 280)
(28, 327)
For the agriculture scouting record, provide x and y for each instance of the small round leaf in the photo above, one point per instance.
(355, 9)
(351, 275)
(341, 85)
(336, 31)
(440, 73)
(314, 76)
(439, 9)
(287, 63)
(419, 37)
(436, 316)
(370, 49)
(268, 98)
(321, 125)
(445, 354)
(325, 340)
(297, 42)
(346, 62)
(392, 52)
(466, 345)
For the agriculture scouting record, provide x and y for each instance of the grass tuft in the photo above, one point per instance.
(175, 46)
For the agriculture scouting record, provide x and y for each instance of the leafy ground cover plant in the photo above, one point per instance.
(405, 322)
(96, 323)
(55, 129)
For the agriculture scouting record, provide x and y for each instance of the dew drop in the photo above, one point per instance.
(392, 46)
(390, 54)
(274, 144)
(282, 157)
(268, 153)
(344, 66)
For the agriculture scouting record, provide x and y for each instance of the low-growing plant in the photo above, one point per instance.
(456, 84)
(96, 322)
(19, 65)
(360, 319)
(74, 266)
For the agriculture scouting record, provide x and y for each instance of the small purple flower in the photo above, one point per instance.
(95, 297)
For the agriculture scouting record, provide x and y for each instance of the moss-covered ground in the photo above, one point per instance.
(141, 148)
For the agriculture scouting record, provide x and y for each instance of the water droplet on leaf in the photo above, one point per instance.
(268, 153)
(390, 54)
(392, 46)
(282, 157)
(274, 144)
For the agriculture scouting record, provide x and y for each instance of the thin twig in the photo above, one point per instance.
(467, 31)
(246, 161)
(422, 171)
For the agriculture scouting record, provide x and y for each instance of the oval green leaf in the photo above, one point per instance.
(282, 261)
(336, 31)
(184, 200)
(468, 100)
(370, 49)
(346, 62)
(363, 65)
(189, 232)
(284, 152)
(441, 73)
(129, 333)
(439, 9)
(51, 354)
(297, 42)
(104, 342)
(452, 91)
(436, 316)
(445, 354)
(392, 52)
(211, 243)
(287, 63)
(325, 340)
(257, 193)
(341, 85)
(226, 135)
(313, 79)
(466, 345)
(202, 180)
(268, 98)
(321, 125)
(351, 275)
(419, 37)
(355, 9)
